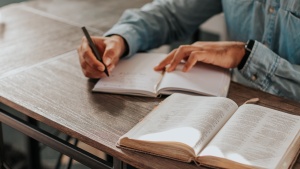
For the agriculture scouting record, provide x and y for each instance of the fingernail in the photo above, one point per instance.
(108, 61)
(100, 68)
(169, 69)
(111, 68)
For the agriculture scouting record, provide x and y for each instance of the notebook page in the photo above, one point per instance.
(133, 75)
(201, 79)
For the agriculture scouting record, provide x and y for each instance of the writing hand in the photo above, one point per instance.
(111, 49)
(224, 54)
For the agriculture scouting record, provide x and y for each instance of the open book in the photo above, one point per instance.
(214, 131)
(136, 76)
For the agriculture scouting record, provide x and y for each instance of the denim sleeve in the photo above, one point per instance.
(162, 22)
(271, 73)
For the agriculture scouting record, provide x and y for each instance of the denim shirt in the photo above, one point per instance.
(274, 63)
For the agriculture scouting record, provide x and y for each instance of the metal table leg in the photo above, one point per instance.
(54, 142)
(1, 148)
(34, 159)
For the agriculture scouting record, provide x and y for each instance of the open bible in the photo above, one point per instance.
(214, 131)
(136, 76)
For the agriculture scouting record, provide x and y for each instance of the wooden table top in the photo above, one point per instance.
(42, 78)
(99, 14)
(29, 39)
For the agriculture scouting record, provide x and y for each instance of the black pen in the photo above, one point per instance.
(94, 49)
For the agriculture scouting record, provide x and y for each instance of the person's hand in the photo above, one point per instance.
(223, 54)
(110, 48)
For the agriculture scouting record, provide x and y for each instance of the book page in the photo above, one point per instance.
(202, 79)
(187, 119)
(255, 136)
(134, 75)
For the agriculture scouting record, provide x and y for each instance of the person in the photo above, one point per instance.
(263, 50)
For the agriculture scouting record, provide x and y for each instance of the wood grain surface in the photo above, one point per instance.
(99, 14)
(29, 38)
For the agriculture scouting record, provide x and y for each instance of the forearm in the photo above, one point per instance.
(271, 73)
(163, 21)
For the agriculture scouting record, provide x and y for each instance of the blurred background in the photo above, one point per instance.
(5, 2)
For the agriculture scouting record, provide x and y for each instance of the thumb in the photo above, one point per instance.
(110, 54)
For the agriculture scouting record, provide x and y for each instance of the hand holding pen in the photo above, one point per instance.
(109, 50)
(94, 49)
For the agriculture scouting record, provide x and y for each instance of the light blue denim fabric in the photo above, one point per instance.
(274, 64)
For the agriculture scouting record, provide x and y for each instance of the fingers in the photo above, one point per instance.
(181, 53)
(114, 49)
(109, 49)
(213, 57)
(89, 71)
(199, 56)
(192, 60)
(110, 53)
(90, 66)
(223, 54)
(89, 57)
(162, 65)
(175, 57)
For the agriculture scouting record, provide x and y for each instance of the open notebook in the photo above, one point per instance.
(136, 76)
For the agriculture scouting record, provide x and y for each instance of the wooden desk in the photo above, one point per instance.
(99, 14)
(52, 89)
(29, 39)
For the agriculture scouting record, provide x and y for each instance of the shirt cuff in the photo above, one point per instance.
(129, 35)
(260, 66)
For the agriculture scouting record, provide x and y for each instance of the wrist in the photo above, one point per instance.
(248, 49)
